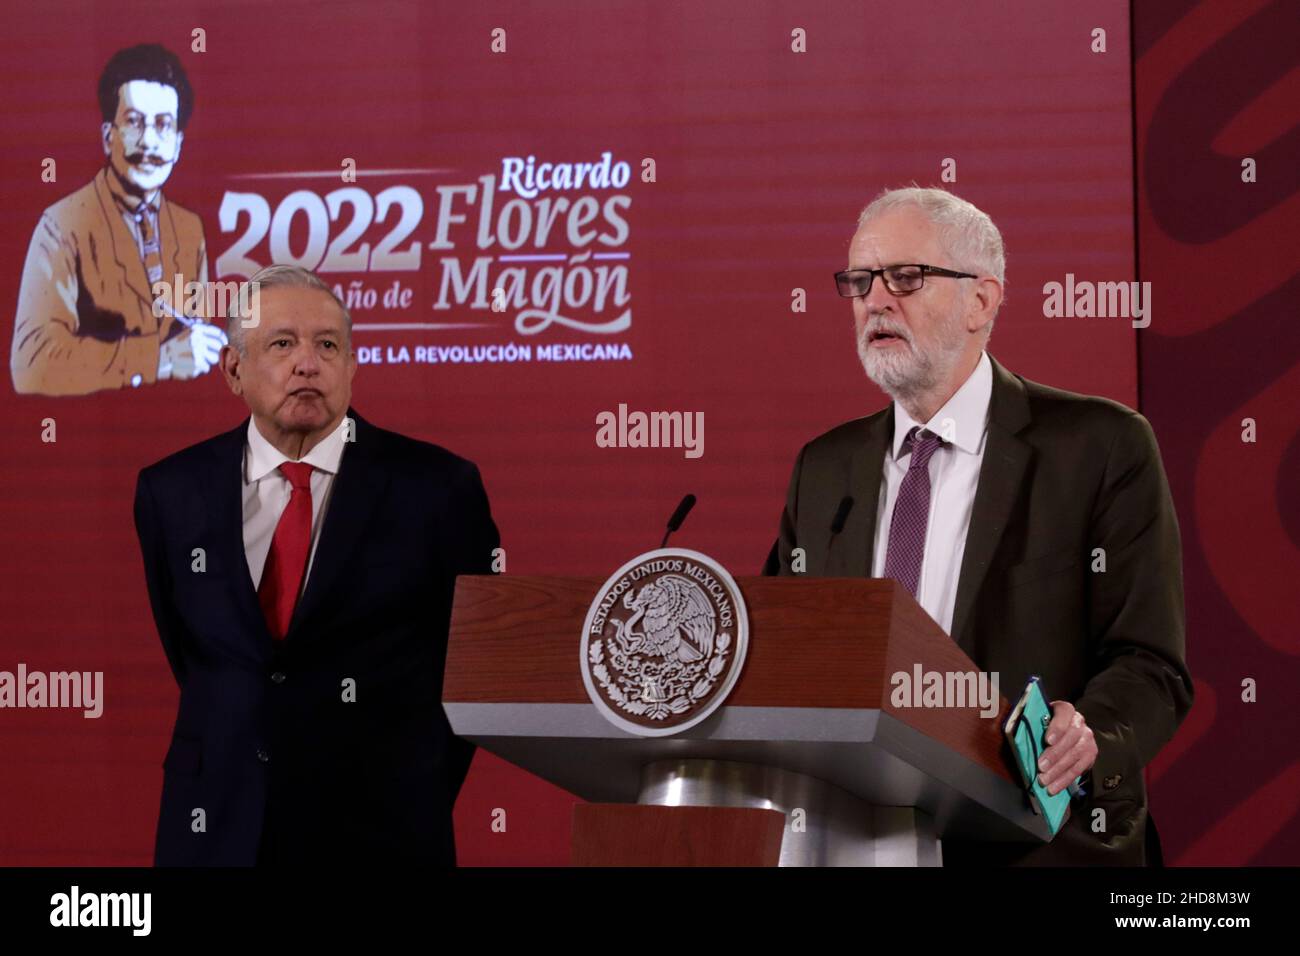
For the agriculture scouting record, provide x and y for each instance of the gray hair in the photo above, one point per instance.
(268, 278)
(966, 232)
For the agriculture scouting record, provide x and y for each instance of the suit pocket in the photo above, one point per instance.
(1055, 563)
(184, 756)
(1118, 820)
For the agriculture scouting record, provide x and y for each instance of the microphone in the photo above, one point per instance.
(678, 517)
(841, 515)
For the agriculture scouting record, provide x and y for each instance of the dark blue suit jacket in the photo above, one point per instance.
(283, 767)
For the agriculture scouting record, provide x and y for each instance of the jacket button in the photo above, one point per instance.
(278, 677)
(263, 756)
(1111, 782)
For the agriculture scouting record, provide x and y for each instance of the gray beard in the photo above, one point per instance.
(910, 375)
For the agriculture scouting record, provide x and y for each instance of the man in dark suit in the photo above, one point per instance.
(1035, 525)
(300, 568)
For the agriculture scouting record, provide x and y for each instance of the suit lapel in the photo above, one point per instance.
(169, 254)
(1006, 460)
(360, 484)
(125, 250)
(225, 483)
(850, 554)
(169, 244)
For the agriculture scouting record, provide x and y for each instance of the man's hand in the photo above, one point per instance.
(192, 353)
(1071, 749)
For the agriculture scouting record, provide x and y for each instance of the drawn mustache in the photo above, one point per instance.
(136, 159)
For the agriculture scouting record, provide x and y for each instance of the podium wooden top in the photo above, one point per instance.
(813, 643)
(815, 697)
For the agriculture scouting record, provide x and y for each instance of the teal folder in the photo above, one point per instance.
(1026, 731)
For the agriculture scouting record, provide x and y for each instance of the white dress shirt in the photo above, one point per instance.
(954, 475)
(267, 492)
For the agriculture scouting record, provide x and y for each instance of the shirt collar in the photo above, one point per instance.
(125, 199)
(264, 458)
(968, 409)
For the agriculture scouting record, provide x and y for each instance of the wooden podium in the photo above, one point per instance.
(806, 763)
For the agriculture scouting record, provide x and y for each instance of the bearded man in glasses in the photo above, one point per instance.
(1034, 525)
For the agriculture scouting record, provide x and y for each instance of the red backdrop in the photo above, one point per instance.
(1217, 84)
(763, 157)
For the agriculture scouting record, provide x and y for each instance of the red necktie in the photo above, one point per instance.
(286, 564)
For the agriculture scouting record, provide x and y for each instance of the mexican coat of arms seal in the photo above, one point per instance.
(664, 642)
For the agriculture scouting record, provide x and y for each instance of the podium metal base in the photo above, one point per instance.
(825, 825)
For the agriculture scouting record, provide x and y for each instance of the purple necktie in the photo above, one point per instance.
(911, 513)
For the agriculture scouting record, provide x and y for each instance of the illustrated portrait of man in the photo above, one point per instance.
(990, 498)
(88, 318)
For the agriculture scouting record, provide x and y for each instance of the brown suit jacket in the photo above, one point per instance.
(85, 317)
(1062, 475)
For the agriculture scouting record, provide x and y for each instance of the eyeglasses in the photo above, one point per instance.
(134, 124)
(899, 280)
